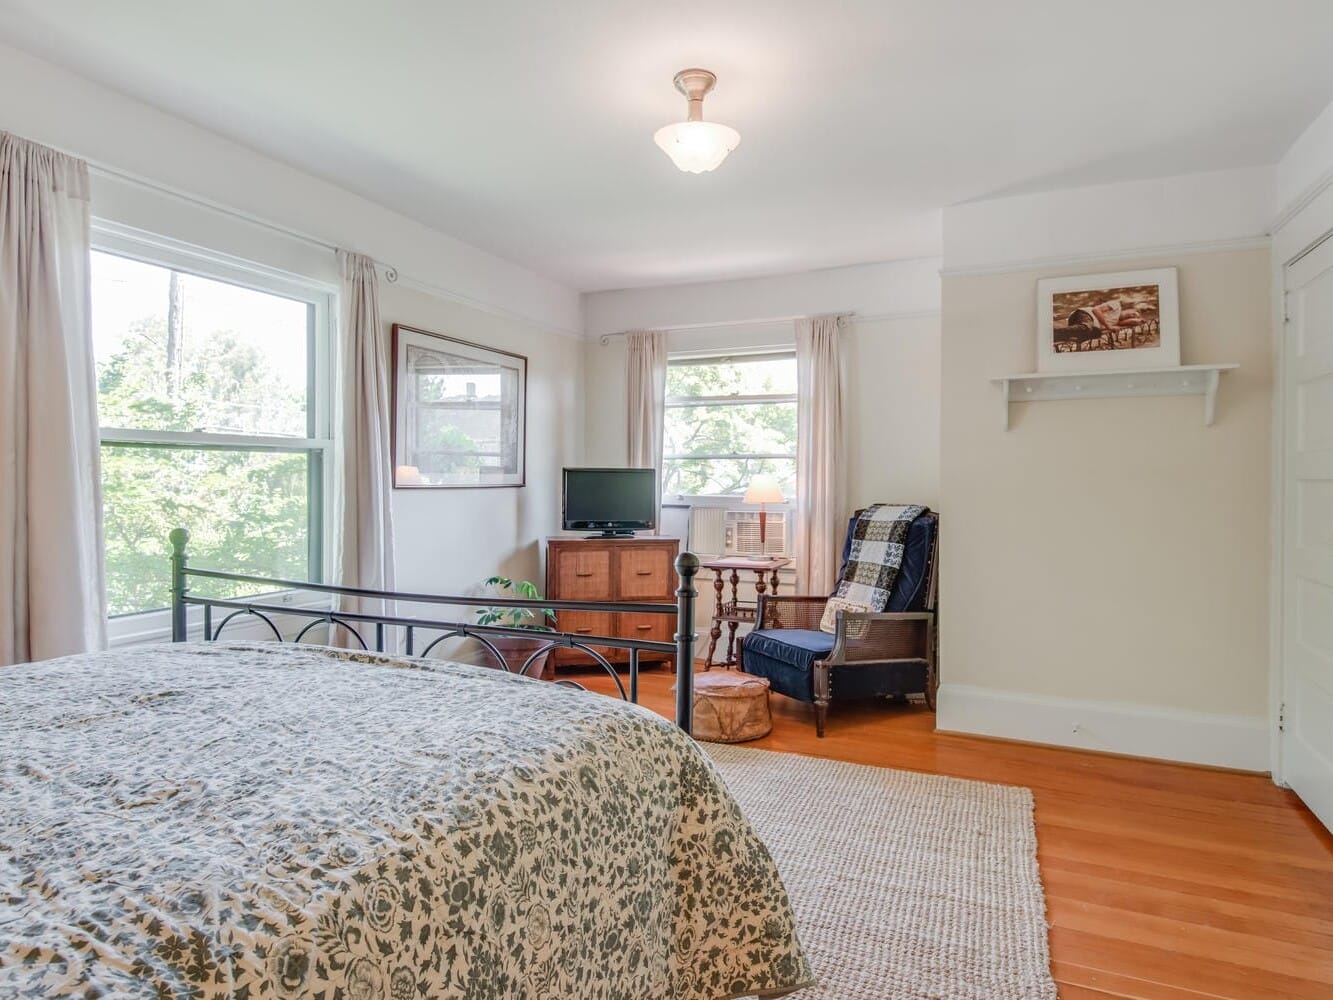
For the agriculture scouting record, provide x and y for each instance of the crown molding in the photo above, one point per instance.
(1163, 250)
(1302, 201)
(441, 292)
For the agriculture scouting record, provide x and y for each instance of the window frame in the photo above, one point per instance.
(685, 402)
(318, 443)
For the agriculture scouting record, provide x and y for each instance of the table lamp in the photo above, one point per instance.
(764, 490)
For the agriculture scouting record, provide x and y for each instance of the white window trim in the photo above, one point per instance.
(124, 241)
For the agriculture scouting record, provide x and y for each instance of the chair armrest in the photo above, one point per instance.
(789, 611)
(889, 635)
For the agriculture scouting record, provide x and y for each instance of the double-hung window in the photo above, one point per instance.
(212, 381)
(730, 421)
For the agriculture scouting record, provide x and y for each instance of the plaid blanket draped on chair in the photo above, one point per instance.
(877, 554)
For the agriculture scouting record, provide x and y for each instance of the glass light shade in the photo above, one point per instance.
(764, 489)
(697, 146)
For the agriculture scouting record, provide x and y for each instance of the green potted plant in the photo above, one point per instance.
(516, 649)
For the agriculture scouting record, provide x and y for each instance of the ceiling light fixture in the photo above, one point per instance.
(695, 145)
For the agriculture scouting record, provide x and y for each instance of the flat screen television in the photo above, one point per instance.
(612, 502)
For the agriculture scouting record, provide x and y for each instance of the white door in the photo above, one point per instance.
(1307, 557)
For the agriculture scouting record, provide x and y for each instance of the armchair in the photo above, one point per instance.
(870, 654)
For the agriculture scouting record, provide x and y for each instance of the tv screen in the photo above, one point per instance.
(611, 501)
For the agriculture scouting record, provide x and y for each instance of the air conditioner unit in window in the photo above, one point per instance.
(743, 533)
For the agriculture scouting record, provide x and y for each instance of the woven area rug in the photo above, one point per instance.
(904, 885)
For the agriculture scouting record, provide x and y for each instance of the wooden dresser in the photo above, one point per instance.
(612, 569)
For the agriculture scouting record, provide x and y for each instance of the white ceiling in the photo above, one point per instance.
(525, 126)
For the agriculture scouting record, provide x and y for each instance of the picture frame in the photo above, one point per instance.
(1108, 322)
(459, 413)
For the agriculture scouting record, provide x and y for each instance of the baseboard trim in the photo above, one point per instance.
(1228, 741)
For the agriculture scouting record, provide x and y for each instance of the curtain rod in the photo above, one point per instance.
(843, 320)
(390, 272)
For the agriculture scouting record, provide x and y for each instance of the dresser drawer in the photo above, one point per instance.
(582, 575)
(644, 572)
(656, 628)
(585, 622)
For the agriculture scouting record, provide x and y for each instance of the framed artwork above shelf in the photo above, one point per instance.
(1176, 380)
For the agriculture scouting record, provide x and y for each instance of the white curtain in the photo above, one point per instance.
(364, 517)
(819, 458)
(52, 579)
(645, 380)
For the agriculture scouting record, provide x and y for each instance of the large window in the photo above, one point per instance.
(730, 421)
(214, 417)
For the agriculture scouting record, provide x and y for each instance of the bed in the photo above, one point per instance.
(270, 820)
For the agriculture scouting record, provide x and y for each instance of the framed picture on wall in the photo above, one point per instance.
(459, 413)
(1105, 322)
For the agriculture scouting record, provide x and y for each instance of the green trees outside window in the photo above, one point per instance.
(207, 403)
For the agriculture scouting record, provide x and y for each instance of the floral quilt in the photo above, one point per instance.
(271, 821)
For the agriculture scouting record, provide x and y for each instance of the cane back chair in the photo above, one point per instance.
(869, 655)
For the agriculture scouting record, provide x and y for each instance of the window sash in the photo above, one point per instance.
(122, 241)
(722, 456)
(760, 399)
(683, 402)
(316, 468)
(739, 358)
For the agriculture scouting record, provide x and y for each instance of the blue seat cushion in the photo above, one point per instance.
(798, 646)
(786, 656)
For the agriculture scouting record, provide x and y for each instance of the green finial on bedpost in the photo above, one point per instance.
(687, 567)
(179, 537)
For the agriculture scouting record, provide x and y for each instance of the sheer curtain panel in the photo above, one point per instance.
(645, 379)
(819, 458)
(52, 579)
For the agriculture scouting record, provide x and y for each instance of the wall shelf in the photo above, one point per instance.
(1182, 380)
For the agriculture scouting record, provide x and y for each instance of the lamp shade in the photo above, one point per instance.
(696, 146)
(764, 489)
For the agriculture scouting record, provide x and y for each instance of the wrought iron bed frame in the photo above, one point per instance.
(687, 567)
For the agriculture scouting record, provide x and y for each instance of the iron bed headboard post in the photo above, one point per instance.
(179, 537)
(687, 566)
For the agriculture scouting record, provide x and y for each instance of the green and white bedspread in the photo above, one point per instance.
(266, 820)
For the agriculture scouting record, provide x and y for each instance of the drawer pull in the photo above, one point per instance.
(583, 631)
(589, 573)
(644, 628)
(643, 572)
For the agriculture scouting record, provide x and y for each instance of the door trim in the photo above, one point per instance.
(1284, 258)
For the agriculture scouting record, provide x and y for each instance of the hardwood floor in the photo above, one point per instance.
(1163, 881)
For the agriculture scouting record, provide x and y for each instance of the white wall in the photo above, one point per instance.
(1105, 563)
(1306, 167)
(885, 288)
(189, 184)
(51, 105)
(450, 540)
(1223, 209)
(891, 354)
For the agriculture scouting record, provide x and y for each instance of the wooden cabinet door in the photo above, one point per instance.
(582, 574)
(644, 573)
